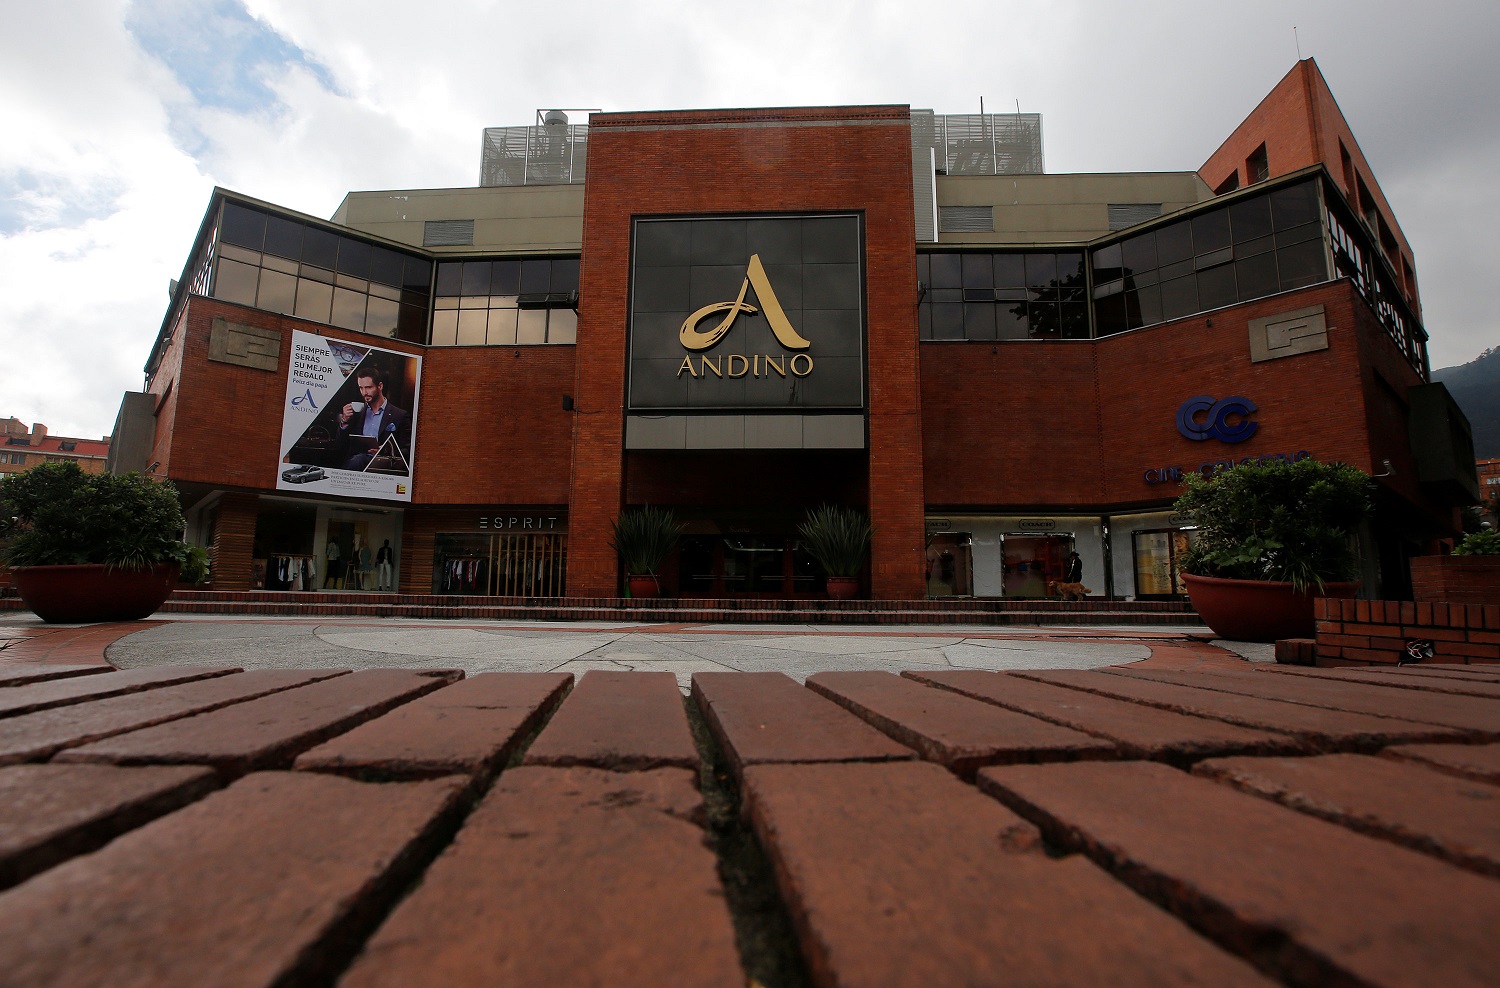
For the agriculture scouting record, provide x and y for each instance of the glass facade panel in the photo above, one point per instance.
(314, 300)
(320, 247)
(278, 291)
(471, 327)
(245, 227)
(235, 282)
(378, 290)
(562, 326)
(382, 316)
(546, 285)
(348, 309)
(445, 327)
(531, 325)
(502, 327)
(1004, 295)
(283, 237)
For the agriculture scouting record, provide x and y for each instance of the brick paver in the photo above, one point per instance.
(21, 675)
(268, 732)
(1440, 683)
(953, 730)
(566, 876)
(57, 693)
(1320, 728)
(1474, 714)
(264, 883)
(1314, 899)
(624, 721)
(49, 813)
(1455, 819)
(1473, 761)
(837, 847)
(1140, 731)
(898, 874)
(761, 717)
(36, 736)
(469, 728)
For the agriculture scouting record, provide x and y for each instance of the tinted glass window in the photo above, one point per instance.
(245, 227)
(1210, 231)
(354, 258)
(1250, 218)
(283, 237)
(1010, 270)
(1174, 242)
(1295, 205)
(320, 247)
(450, 278)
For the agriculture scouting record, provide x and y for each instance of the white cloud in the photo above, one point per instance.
(110, 153)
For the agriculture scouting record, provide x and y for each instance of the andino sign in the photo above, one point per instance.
(758, 313)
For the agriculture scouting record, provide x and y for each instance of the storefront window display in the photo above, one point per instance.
(1155, 554)
(502, 565)
(305, 545)
(1147, 551)
(1013, 556)
(950, 564)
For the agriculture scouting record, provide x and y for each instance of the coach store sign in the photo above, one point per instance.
(760, 313)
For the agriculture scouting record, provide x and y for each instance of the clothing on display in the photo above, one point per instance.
(291, 572)
(465, 575)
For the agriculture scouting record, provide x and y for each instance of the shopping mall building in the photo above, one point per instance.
(741, 314)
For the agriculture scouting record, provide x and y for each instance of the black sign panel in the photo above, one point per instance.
(757, 313)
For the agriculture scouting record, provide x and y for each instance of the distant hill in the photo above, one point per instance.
(1476, 388)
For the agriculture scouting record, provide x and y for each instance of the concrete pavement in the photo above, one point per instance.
(798, 650)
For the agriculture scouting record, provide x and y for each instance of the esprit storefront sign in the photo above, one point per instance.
(760, 313)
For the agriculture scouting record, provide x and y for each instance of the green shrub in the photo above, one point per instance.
(1288, 522)
(644, 537)
(57, 515)
(838, 538)
(1479, 544)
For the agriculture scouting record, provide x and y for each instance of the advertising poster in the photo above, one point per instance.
(349, 420)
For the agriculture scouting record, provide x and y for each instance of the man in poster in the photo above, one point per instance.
(366, 424)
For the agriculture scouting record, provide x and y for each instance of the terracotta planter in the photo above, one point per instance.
(843, 587)
(643, 585)
(1257, 610)
(81, 594)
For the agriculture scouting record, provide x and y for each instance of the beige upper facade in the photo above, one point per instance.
(1027, 209)
(518, 218)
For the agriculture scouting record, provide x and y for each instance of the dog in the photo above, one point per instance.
(1068, 591)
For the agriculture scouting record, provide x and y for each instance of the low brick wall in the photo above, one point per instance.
(1376, 632)
(1456, 579)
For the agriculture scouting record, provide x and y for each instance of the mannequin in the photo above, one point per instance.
(384, 557)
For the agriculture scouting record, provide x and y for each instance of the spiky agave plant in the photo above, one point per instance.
(838, 538)
(644, 537)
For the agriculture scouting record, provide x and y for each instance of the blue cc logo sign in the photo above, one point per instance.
(1227, 420)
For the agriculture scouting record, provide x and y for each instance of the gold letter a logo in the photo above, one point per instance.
(775, 315)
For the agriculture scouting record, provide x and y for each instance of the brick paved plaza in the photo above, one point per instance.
(1178, 816)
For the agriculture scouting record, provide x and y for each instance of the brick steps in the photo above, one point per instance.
(673, 611)
(695, 611)
(1126, 827)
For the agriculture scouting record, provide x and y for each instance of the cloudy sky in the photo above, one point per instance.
(119, 118)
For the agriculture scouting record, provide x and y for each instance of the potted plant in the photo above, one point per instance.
(1470, 575)
(839, 539)
(644, 537)
(93, 547)
(1270, 538)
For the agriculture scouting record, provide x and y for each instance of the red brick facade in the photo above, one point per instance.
(642, 164)
(1078, 424)
(1299, 123)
